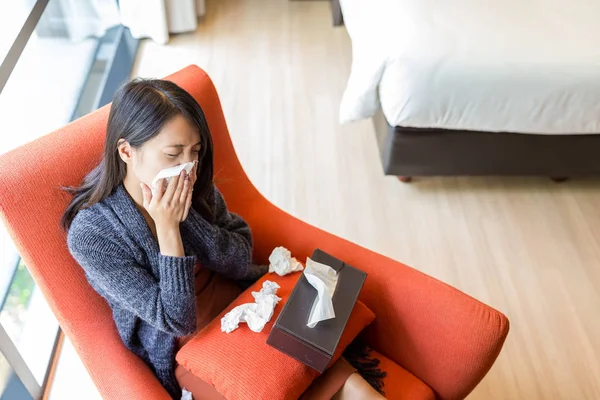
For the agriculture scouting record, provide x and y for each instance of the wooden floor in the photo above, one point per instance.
(526, 246)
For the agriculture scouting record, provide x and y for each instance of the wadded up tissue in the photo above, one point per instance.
(282, 262)
(256, 314)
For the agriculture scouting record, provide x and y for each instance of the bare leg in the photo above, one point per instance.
(357, 388)
(405, 179)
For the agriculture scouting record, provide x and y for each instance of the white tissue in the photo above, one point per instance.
(256, 314)
(185, 395)
(324, 279)
(282, 262)
(171, 172)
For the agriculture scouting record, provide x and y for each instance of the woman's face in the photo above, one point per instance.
(178, 142)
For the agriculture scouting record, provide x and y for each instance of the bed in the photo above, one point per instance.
(472, 87)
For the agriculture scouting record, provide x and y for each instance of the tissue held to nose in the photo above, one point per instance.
(256, 314)
(168, 173)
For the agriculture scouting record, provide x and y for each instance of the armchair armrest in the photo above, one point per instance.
(440, 334)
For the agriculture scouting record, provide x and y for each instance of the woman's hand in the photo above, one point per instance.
(168, 207)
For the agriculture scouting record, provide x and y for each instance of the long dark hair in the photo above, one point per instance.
(139, 110)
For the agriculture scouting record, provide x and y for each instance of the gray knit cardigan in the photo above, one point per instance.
(152, 296)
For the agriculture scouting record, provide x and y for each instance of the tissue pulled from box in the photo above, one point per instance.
(256, 314)
(282, 262)
(168, 173)
(324, 279)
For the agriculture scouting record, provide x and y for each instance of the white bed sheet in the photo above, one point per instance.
(528, 66)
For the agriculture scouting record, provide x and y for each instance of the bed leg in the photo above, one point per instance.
(405, 179)
(559, 179)
(336, 13)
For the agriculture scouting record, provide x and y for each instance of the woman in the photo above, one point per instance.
(167, 260)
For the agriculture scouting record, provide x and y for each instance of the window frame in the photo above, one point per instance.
(15, 51)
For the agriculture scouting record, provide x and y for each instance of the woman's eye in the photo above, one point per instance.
(172, 155)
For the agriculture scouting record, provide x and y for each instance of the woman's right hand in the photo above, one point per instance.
(168, 207)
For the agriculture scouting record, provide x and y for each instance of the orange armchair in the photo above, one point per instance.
(442, 336)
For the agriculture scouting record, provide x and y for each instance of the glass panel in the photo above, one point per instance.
(11, 387)
(12, 18)
(9, 259)
(46, 81)
(45, 86)
(29, 322)
(17, 300)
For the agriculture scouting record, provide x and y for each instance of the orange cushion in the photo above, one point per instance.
(399, 384)
(241, 362)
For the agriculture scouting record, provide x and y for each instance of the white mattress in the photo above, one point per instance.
(528, 66)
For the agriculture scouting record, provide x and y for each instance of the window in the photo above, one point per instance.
(11, 386)
(29, 322)
(59, 60)
(12, 20)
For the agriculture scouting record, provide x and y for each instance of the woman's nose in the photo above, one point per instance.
(189, 158)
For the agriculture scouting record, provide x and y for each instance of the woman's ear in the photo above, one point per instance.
(125, 151)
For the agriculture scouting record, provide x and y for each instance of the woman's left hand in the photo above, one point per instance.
(192, 178)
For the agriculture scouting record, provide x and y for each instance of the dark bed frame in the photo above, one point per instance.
(408, 152)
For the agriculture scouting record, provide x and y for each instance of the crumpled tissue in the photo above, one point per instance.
(168, 173)
(324, 279)
(185, 395)
(256, 314)
(282, 262)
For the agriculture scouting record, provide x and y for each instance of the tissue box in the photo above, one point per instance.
(315, 346)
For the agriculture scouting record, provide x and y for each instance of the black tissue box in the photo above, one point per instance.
(315, 346)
